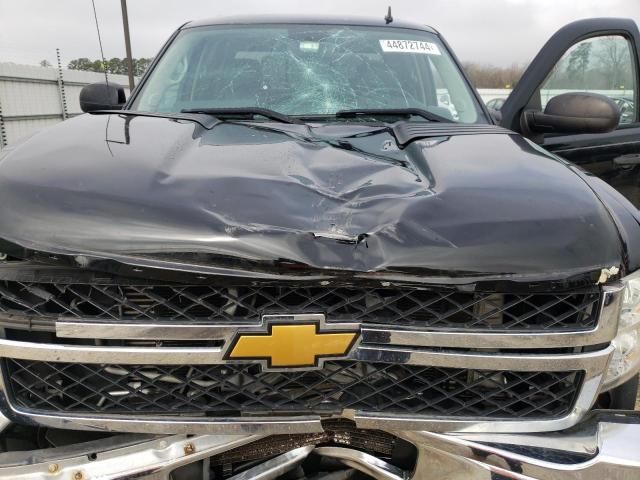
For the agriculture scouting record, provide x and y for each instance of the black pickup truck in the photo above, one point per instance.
(304, 248)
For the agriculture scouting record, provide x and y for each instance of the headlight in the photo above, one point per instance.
(625, 362)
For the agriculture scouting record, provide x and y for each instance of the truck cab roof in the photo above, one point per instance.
(307, 20)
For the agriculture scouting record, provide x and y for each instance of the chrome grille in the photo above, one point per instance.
(402, 306)
(244, 390)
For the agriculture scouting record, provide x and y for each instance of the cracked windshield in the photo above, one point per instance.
(309, 70)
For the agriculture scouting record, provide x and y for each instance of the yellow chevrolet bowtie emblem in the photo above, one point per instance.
(292, 345)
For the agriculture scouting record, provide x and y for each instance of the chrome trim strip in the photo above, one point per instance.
(105, 330)
(126, 355)
(167, 424)
(288, 425)
(158, 425)
(374, 334)
(466, 425)
(147, 331)
(607, 313)
(590, 362)
(211, 356)
(406, 337)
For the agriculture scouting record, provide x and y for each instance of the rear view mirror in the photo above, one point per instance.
(102, 96)
(574, 113)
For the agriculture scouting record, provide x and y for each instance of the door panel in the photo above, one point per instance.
(614, 157)
(599, 56)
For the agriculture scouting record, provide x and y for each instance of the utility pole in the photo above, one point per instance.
(127, 42)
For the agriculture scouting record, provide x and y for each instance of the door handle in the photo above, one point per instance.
(627, 160)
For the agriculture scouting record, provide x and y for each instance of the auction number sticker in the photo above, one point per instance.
(409, 46)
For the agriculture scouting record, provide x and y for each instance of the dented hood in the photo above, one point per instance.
(337, 197)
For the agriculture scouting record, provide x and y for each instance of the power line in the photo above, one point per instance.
(104, 62)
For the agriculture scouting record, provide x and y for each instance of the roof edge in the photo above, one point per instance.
(306, 19)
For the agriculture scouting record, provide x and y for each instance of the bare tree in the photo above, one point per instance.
(615, 59)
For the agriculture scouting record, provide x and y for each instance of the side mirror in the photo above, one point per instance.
(574, 113)
(102, 96)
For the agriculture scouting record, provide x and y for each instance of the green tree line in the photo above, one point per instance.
(116, 66)
(491, 76)
(596, 64)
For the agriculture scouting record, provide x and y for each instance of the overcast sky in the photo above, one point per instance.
(497, 32)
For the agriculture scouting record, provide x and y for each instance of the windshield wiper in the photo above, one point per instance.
(392, 112)
(203, 121)
(244, 112)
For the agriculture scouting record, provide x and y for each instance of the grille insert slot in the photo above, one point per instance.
(244, 390)
(402, 306)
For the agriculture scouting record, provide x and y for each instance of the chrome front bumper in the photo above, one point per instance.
(604, 446)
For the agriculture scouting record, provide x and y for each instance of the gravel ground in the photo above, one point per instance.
(638, 401)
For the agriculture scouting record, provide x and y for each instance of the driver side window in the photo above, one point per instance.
(603, 65)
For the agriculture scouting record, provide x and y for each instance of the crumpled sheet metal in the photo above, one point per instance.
(338, 197)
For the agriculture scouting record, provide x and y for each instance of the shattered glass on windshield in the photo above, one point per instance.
(308, 70)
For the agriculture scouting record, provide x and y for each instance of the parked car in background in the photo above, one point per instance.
(627, 109)
(495, 103)
(303, 248)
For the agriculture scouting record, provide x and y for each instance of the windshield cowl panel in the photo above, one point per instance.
(306, 70)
